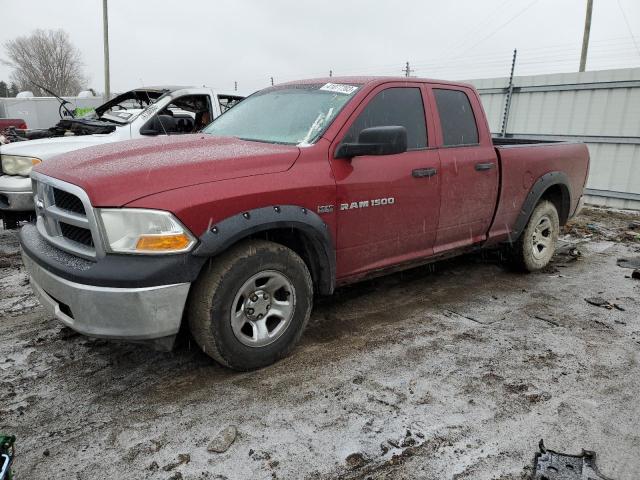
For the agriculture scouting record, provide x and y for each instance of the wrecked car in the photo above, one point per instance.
(148, 111)
(300, 188)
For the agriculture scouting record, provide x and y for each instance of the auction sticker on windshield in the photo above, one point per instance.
(339, 88)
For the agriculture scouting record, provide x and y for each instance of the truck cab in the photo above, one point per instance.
(148, 111)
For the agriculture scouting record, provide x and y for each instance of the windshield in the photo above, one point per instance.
(291, 114)
(125, 107)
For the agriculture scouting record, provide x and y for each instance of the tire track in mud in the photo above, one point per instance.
(378, 359)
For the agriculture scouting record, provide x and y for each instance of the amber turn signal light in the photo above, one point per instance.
(162, 243)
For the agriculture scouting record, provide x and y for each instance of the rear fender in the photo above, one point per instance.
(542, 185)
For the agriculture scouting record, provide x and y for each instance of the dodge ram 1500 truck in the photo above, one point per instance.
(141, 112)
(298, 189)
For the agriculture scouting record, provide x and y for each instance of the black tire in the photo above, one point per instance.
(537, 244)
(214, 302)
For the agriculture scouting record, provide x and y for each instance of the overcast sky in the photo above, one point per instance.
(196, 42)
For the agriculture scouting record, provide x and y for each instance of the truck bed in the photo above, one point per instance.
(507, 141)
(524, 161)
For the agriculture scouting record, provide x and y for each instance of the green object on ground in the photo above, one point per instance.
(7, 451)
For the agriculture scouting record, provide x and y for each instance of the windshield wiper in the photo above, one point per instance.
(263, 141)
(63, 102)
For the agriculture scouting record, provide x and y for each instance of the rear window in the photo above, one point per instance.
(456, 117)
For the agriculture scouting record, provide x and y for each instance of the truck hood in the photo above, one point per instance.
(116, 174)
(45, 148)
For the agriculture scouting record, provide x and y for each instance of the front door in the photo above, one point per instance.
(387, 206)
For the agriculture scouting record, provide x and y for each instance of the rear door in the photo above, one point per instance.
(468, 166)
(387, 206)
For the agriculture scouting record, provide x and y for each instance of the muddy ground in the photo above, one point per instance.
(451, 371)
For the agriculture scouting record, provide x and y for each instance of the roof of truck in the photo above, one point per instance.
(162, 88)
(173, 88)
(362, 80)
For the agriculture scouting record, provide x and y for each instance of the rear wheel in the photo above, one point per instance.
(249, 306)
(537, 244)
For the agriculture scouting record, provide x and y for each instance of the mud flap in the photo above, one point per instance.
(550, 465)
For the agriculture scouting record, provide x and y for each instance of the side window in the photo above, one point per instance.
(394, 107)
(456, 117)
(186, 114)
(228, 101)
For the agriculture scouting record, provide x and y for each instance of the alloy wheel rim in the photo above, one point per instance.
(542, 237)
(263, 308)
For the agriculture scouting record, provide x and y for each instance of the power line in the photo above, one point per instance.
(496, 30)
(554, 56)
(626, 21)
(545, 52)
(487, 21)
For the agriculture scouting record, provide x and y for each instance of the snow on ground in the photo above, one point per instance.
(451, 371)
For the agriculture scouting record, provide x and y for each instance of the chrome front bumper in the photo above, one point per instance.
(119, 313)
(15, 193)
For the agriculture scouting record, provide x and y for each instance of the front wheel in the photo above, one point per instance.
(537, 244)
(250, 305)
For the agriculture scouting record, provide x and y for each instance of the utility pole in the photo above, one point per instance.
(407, 70)
(507, 105)
(105, 31)
(585, 37)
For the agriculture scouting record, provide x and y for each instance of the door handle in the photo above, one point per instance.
(484, 166)
(424, 172)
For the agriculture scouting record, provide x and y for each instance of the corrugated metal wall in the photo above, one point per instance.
(601, 108)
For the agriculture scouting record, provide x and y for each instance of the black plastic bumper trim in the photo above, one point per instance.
(117, 271)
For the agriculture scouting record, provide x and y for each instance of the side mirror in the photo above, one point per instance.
(375, 141)
(149, 131)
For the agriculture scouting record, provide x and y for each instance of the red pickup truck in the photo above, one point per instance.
(300, 188)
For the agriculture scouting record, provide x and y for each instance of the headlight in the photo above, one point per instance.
(130, 230)
(18, 165)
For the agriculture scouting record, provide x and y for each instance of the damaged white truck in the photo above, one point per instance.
(148, 111)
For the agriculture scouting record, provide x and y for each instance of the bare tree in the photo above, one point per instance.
(48, 58)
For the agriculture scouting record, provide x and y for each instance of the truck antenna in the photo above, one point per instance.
(157, 114)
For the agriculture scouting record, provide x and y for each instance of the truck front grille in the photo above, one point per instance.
(68, 201)
(65, 217)
(77, 234)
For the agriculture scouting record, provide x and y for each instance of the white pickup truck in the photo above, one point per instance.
(141, 112)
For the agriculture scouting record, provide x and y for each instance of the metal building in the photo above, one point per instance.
(601, 108)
